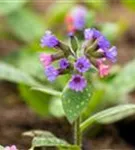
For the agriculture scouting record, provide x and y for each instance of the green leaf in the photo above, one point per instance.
(75, 102)
(74, 43)
(36, 100)
(48, 142)
(124, 82)
(109, 116)
(69, 148)
(94, 104)
(38, 133)
(55, 108)
(27, 60)
(26, 25)
(7, 6)
(48, 139)
(10, 73)
(47, 90)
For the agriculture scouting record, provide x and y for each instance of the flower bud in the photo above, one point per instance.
(74, 43)
(65, 48)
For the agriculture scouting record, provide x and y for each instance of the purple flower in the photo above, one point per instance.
(91, 33)
(88, 34)
(46, 59)
(82, 64)
(49, 40)
(51, 73)
(64, 64)
(111, 54)
(79, 17)
(77, 83)
(103, 43)
(97, 33)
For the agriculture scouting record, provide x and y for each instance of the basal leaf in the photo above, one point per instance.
(75, 102)
(48, 141)
(45, 139)
(124, 82)
(47, 90)
(110, 115)
(38, 133)
(36, 100)
(10, 73)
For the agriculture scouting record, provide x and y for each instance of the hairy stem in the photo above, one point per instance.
(77, 133)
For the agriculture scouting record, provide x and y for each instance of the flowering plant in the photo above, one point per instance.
(78, 62)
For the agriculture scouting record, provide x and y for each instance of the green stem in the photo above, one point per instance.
(77, 133)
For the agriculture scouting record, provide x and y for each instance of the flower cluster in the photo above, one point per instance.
(95, 50)
(76, 19)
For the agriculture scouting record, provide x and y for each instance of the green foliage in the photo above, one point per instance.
(75, 102)
(12, 74)
(48, 142)
(38, 133)
(27, 60)
(95, 101)
(45, 138)
(106, 95)
(74, 43)
(124, 82)
(36, 100)
(47, 90)
(26, 25)
(7, 7)
(109, 116)
(55, 107)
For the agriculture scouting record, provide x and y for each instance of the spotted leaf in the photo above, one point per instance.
(75, 102)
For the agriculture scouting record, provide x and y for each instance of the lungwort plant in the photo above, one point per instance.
(79, 62)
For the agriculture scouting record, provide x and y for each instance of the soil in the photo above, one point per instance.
(16, 117)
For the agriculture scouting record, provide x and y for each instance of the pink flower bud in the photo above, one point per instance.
(46, 59)
(103, 69)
